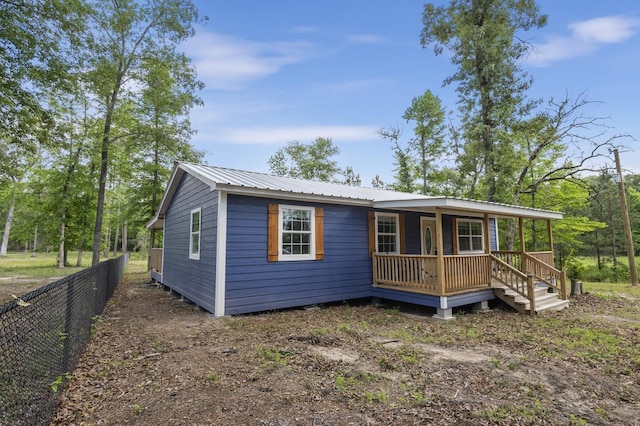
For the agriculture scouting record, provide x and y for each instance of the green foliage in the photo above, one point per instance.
(427, 145)
(486, 51)
(313, 161)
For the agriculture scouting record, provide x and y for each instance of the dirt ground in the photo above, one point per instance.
(157, 360)
(19, 285)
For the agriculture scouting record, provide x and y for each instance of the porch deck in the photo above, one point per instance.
(458, 274)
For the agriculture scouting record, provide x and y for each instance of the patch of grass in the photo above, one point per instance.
(611, 289)
(274, 356)
(512, 413)
(212, 377)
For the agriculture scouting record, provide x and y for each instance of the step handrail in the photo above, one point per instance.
(516, 280)
(540, 266)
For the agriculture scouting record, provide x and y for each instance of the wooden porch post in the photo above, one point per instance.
(151, 246)
(522, 244)
(550, 237)
(440, 248)
(487, 240)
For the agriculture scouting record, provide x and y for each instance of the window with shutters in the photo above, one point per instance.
(295, 233)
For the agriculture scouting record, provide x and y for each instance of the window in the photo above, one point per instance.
(297, 225)
(194, 236)
(470, 239)
(295, 233)
(387, 233)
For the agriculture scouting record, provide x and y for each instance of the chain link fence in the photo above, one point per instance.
(42, 336)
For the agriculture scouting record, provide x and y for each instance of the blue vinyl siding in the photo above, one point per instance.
(193, 279)
(253, 284)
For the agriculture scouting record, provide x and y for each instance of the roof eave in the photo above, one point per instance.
(459, 204)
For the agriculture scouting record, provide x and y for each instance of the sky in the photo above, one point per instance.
(292, 70)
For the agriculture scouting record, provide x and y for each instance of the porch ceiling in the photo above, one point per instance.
(465, 205)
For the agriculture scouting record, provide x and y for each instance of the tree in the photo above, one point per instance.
(38, 37)
(130, 33)
(404, 172)
(351, 178)
(481, 36)
(428, 143)
(311, 161)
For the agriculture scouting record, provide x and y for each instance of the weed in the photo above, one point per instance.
(137, 409)
(378, 395)
(275, 356)
(212, 377)
(418, 397)
(59, 381)
(577, 421)
(344, 383)
(601, 412)
(386, 365)
(94, 325)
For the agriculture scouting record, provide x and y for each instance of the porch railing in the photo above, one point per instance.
(155, 259)
(411, 272)
(420, 273)
(466, 272)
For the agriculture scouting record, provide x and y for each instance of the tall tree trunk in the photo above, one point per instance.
(107, 242)
(7, 227)
(115, 242)
(80, 252)
(61, 251)
(125, 239)
(35, 240)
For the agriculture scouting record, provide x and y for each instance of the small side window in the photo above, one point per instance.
(194, 237)
(297, 226)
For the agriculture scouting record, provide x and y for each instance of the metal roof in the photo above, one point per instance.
(219, 177)
(266, 185)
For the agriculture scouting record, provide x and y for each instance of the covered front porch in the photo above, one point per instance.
(454, 261)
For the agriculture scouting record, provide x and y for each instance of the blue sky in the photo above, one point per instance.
(283, 70)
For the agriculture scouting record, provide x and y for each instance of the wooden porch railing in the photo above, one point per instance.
(467, 273)
(155, 259)
(420, 273)
(540, 264)
(515, 279)
(411, 272)
(546, 273)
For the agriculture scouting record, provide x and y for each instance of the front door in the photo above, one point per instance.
(428, 236)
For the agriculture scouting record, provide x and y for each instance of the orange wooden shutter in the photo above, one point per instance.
(272, 233)
(403, 246)
(372, 232)
(319, 233)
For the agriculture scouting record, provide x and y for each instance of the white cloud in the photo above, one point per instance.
(226, 62)
(585, 38)
(365, 39)
(281, 135)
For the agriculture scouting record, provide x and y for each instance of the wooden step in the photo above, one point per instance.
(545, 301)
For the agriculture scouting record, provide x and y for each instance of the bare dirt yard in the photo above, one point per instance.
(157, 360)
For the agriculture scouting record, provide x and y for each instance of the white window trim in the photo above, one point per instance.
(482, 236)
(312, 239)
(397, 216)
(192, 255)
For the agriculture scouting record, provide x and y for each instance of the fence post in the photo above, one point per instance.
(532, 295)
(68, 325)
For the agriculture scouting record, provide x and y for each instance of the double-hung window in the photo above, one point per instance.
(194, 235)
(470, 236)
(387, 233)
(297, 233)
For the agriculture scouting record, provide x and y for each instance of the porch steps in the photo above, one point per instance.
(545, 301)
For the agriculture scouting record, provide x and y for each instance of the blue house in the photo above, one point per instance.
(236, 242)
